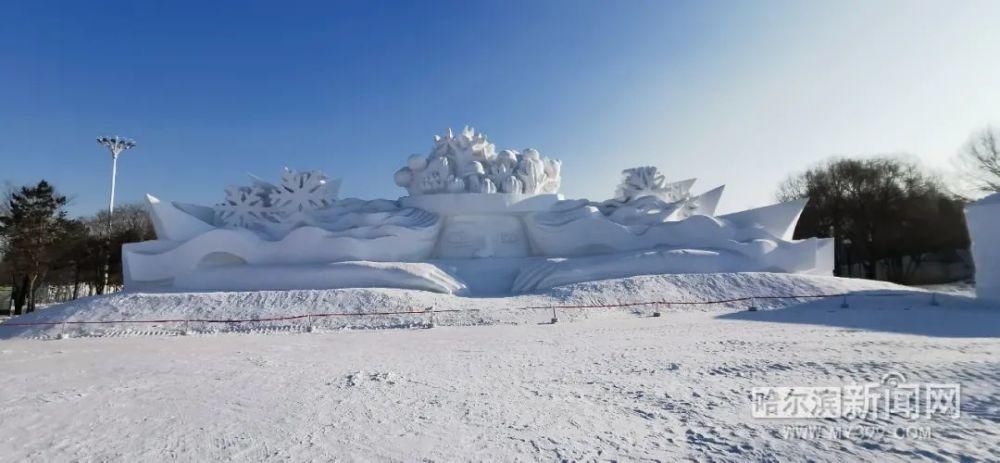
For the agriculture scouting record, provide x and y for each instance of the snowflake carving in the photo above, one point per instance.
(276, 209)
(244, 207)
(301, 192)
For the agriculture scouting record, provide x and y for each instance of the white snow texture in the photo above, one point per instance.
(624, 386)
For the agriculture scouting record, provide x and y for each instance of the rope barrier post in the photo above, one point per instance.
(753, 305)
(430, 310)
(309, 327)
(63, 334)
(187, 327)
(555, 319)
(843, 302)
(656, 310)
(934, 300)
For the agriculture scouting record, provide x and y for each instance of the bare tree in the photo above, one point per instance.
(888, 208)
(130, 223)
(979, 160)
(6, 193)
(129, 217)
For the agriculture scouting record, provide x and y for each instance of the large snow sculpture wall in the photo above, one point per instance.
(471, 211)
(649, 213)
(983, 219)
(297, 222)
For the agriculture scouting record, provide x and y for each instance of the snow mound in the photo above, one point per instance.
(374, 308)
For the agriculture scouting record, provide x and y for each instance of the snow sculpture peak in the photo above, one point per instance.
(638, 182)
(469, 163)
(263, 204)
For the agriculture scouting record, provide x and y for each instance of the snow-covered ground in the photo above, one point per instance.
(453, 310)
(958, 288)
(611, 387)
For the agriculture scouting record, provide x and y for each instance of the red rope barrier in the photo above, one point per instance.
(426, 311)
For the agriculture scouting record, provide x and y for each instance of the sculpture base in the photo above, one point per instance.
(496, 276)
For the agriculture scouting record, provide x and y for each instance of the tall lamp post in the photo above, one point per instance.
(116, 145)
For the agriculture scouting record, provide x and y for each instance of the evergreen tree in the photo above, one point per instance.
(32, 225)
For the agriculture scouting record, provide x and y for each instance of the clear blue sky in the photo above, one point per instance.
(741, 93)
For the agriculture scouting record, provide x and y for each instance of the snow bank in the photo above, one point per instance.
(467, 310)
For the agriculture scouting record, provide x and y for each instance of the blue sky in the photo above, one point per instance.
(741, 93)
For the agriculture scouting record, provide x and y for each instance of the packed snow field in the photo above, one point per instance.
(363, 303)
(613, 385)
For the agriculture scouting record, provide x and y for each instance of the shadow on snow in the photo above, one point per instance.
(903, 312)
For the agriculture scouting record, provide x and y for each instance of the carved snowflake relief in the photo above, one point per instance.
(244, 207)
(301, 192)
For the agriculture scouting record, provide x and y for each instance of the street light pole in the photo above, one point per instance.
(116, 145)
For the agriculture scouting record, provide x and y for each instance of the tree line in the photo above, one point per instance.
(881, 209)
(889, 210)
(41, 246)
(878, 210)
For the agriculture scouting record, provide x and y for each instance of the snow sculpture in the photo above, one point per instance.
(264, 205)
(482, 225)
(475, 221)
(302, 191)
(244, 207)
(647, 222)
(983, 218)
(174, 224)
(299, 222)
(699, 243)
(469, 163)
(638, 182)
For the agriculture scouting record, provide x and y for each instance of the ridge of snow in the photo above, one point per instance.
(469, 310)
